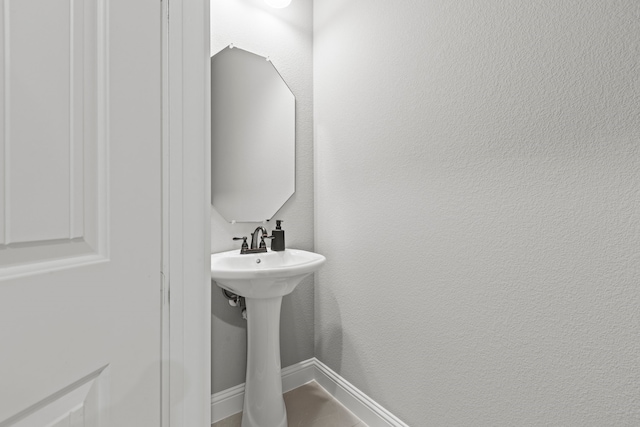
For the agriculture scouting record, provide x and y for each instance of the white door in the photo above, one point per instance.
(80, 213)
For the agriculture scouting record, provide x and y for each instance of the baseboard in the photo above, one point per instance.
(362, 406)
(229, 402)
(299, 374)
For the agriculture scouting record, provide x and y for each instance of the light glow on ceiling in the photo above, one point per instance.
(278, 4)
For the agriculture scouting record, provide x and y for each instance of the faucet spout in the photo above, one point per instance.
(257, 238)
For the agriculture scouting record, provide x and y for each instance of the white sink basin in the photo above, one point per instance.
(264, 275)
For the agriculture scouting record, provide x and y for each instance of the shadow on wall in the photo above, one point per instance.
(333, 343)
(229, 338)
(221, 309)
(296, 324)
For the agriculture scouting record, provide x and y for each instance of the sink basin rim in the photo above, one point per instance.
(308, 262)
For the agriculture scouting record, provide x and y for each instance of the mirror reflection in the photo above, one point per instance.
(252, 137)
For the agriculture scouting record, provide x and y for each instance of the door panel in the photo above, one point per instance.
(78, 405)
(49, 194)
(80, 206)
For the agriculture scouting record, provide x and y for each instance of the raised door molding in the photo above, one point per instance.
(54, 188)
(81, 404)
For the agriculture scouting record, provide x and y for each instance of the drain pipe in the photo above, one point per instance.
(236, 301)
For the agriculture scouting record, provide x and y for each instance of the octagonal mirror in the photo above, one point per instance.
(252, 137)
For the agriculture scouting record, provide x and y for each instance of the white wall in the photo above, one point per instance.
(477, 194)
(285, 35)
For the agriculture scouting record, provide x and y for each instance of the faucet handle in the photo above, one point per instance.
(245, 246)
(262, 243)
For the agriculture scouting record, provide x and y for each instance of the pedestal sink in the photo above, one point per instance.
(263, 279)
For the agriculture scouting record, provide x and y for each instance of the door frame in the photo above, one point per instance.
(186, 213)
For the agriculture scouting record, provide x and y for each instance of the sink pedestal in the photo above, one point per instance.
(263, 402)
(263, 279)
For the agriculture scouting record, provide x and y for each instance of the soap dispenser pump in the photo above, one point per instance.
(277, 243)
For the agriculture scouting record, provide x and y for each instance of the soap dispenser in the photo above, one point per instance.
(277, 243)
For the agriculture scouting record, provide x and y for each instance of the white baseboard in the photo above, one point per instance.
(299, 374)
(362, 406)
(229, 402)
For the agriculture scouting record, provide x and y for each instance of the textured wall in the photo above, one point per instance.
(477, 194)
(285, 35)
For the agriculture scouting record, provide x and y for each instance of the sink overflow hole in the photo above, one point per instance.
(258, 261)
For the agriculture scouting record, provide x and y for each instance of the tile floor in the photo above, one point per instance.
(308, 406)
